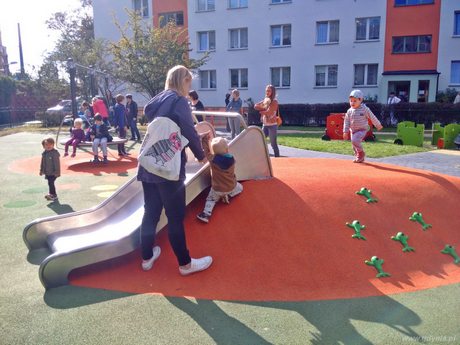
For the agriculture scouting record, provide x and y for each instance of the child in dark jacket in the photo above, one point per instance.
(223, 179)
(50, 166)
(78, 136)
(120, 123)
(99, 136)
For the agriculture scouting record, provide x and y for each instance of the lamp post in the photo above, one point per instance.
(73, 92)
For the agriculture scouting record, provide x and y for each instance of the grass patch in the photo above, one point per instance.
(382, 147)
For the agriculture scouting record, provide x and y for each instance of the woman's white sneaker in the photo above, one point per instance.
(196, 265)
(146, 265)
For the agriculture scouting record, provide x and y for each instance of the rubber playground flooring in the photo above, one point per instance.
(286, 269)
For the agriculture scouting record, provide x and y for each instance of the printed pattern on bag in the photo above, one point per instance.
(164, 150)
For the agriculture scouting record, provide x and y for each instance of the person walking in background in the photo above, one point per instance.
(269, 110)
(235, 105)
(457, 98)
(131, 108)
(119, 121)
(391, 102)
(227, 100)
(159, 192)
(100, 108)
(50, 166)
(197, 105)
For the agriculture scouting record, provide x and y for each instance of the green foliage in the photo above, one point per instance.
(142, 119)
(49, 119)
(370, 99)
(7, 90)
(144, 54)
(446, 96)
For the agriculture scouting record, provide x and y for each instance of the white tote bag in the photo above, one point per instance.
(160, 153)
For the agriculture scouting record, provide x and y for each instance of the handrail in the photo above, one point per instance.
(219, 113)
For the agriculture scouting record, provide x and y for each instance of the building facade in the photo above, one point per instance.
(3, 58)
(313, 51)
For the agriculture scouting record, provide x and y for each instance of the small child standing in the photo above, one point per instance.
(99, 134)
(223, 179)
(78, 136)
(50, 166)
(356, 122)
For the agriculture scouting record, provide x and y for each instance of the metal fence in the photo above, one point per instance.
(13, 117)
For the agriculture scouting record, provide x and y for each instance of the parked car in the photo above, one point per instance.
(64, 107)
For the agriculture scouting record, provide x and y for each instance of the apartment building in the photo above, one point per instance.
(313, 51)
(3, 58)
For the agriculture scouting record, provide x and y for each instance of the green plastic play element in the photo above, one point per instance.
(403, 239)
(367, 193)
(437, 135)
(417, 217)
(409, 134)
(357, 227)
(378, 265)
(451, 250)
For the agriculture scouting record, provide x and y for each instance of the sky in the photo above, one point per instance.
(35, 37)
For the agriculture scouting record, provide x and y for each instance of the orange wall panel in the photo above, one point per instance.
(165, 6)
(412, 20)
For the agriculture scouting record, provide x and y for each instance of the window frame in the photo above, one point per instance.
(420, 2)
(281, 36)
(366, 75)
(405, 45)
(280, 2)
(328, 37)
(229, 7)
(326, 77)
(206, 5)
(240, 82)
(280, 69)
(199, 33)
(368, 27)
(451, 81)
(456, 23)
(239, 39)
(167, 15)
(209, 75)
(144, 8)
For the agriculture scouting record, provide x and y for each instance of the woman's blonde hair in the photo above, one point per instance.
(273, 95)
(175, 78)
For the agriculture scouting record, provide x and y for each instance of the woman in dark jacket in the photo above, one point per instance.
(159, 192)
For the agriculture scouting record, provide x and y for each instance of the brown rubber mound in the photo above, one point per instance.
(80, 165)
(285, 239)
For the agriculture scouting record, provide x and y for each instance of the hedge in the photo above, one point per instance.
(316, 114)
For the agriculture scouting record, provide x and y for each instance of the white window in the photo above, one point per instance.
(238, 38)
(281, 35)
(141, 6)
(238, 78)
(327, 32)
(207, 41)
(208, 79)
(326, 75)
(455, 72)
(366, 75)
(367, 29)
(280, 1)
(281, 76)
(237, 3)
(176, 17)
(206, 5)
(457, 23)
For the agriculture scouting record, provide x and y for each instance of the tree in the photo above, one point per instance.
(144, 54)
(447, 96)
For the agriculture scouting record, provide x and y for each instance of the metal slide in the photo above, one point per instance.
(112, 229)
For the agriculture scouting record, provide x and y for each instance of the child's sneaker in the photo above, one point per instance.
(73, 155)
(105, 160)
(96, 160)
(48, 197)
(66, 154)
(196, 265)
(359, 158)
(204, 217)
(53, 197)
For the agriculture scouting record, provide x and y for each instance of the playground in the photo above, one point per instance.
(286, 268)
